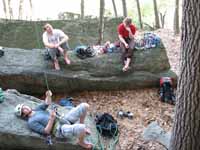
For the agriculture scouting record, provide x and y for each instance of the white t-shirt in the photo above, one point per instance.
(55, 38)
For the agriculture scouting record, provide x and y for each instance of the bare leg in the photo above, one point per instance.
(56, 64)
(127, 63)
(82, 142)
(61, 50)
(82, 117)
(67, 60)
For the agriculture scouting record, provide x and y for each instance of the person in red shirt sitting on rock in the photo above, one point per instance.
(126, 32)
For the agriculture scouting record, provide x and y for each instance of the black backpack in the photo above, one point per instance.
(166, 91)
(106, 125)
(1, 53)
(84, 51)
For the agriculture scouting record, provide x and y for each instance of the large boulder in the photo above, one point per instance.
(14, 133)
(27, 71)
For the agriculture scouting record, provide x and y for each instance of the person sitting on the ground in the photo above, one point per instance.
(45, 123)
(55, 41)
(126, 32)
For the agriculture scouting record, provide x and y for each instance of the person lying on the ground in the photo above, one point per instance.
(126, 32)
(56, 41)
(107, 47)
(45, 123)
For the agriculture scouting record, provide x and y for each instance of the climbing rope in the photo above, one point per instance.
(46, 81)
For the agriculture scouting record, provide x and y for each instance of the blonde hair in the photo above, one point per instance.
(127, 20)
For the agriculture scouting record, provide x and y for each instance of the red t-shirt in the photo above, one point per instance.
(123, 32)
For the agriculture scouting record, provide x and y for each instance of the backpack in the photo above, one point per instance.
(66, 102)
(106, 125)
(166, 91)
(84, 51)
(1, 53)
(47, 55)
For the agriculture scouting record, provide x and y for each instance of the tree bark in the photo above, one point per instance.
(5, 9)
(176, 18)
(82, 9)
(101, 20)
(139, 14)
(186, 128)
(20, 9)
(114, 8)
(162, 19)
(157, 24)
(10, 9)
(124, 8)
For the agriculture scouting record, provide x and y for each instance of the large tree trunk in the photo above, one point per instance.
(10, 9)
(157, 24)
(101, 20)
(31, 7)
(186, 129)
(139, 14)
(124, 8)
(176, 18)
(82, 9)
(114, 7)
(20, 9)
(5, 9)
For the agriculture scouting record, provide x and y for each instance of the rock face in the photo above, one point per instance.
(14, 133)
(28, 34)
(25, 70)
(154, 132)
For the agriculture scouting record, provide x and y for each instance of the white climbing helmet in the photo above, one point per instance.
(18, 110)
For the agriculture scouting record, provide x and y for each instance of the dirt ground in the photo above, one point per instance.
(143, 103)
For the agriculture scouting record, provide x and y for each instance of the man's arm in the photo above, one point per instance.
(49, 126)
(123, 41)
(48, 98)
(63, 38)
(46, 43)
(39, 128)
(131, 35)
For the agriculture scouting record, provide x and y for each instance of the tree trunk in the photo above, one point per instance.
(139, 14)
(114, 7)
(82, 9)
(101, 20)
(10, 9)
(162, 19)
(176, 18)
(5, 9)
(31, 7)
(20, 9)
(157, 24)
(124, 8)
(186, 128)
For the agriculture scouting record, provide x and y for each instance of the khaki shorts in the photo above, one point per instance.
(71, 127)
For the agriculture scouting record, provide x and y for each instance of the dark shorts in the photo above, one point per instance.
(54, 52)
(127, 52)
